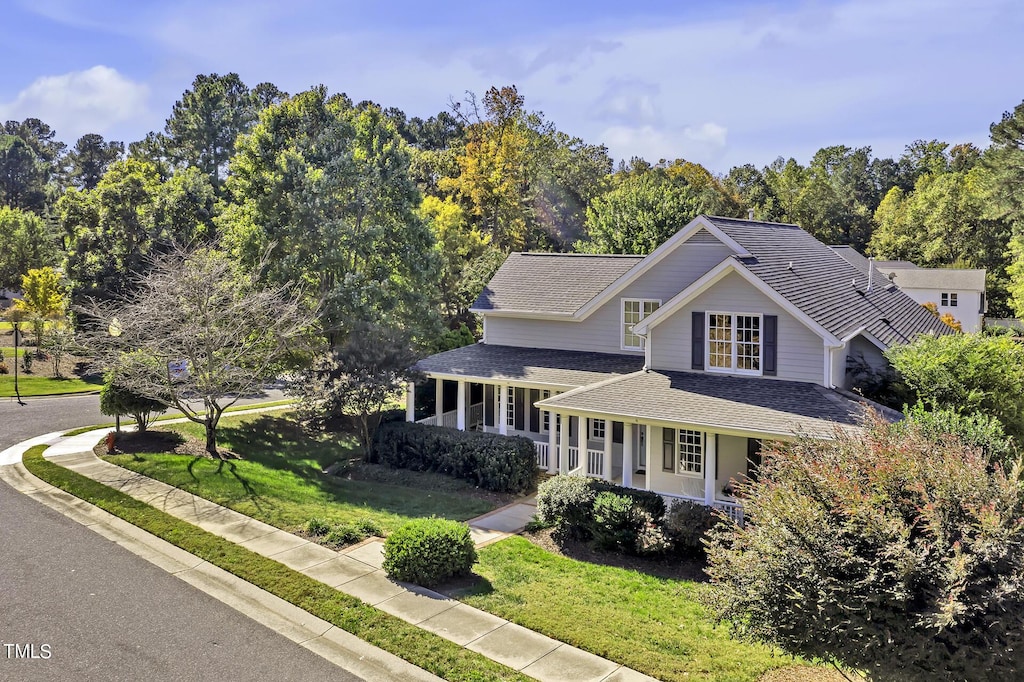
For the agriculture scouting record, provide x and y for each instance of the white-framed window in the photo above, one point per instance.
(510, 409)
(633, 311)
(734, 342)
(949, 299)
(597, 429)
(545, 416)
(691, 453)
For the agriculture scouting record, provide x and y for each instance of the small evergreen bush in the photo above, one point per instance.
(685, 525)
(429, 551)
(567, 503)
(616, 522)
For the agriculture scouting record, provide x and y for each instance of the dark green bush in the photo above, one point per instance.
(344, 534)
(685, 525)
(567, 502)
(491, 461)
(429, 551)
(616, 522)
(650, 502)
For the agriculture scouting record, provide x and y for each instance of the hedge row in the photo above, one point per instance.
(500, 463)
(622, 519)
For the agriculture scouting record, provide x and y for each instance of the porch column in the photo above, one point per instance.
(503, 409)
(627, 455)
(460, 407)
(552, 443)
(563, 444)
(710, 468)
(582, 432)
(410, 401)
(607, 463)
(649, 446)
(438, 399)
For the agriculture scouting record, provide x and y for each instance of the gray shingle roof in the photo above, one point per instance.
(759, 406)
(551, 282)
(825, 286)
(563, 368)
(949, 279)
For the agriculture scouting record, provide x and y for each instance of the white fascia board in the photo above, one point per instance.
(529, 314)
(705, 282)
(657, 256)
(862, 331)
(470, 378)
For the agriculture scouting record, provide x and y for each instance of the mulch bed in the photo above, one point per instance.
(132, 443)
(674, 569)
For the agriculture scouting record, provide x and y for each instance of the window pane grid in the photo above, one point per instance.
(633, 312)
(691, 452)
(597, 428)
(510, 412)
(734, 342)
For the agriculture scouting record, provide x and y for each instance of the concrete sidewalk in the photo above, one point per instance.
(357, 571)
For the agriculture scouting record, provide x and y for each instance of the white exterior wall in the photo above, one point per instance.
(661, 481)
(967, 310)
(732, 461)
(601, 332)
(801, 352)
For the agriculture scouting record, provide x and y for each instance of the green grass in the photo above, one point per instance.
(30, 386)
(125, 421)
(8, 352)
(654, 625)
(280, 480)
(419, 647)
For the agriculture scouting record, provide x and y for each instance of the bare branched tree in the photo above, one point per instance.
(211, 332)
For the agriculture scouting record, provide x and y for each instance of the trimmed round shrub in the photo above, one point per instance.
(429, 551)
(567, 502)
(686, 524)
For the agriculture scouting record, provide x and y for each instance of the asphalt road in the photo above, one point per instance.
(103, 612)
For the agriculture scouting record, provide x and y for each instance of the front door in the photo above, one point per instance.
(640, 448)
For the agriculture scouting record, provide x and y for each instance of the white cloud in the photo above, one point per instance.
(90, 101)
(700, 143)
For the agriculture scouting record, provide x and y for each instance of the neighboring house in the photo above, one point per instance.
(666, 372)
(959, 292)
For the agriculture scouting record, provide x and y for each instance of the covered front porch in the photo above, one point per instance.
(629, 453)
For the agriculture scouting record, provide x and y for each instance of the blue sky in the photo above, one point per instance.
(721, 83)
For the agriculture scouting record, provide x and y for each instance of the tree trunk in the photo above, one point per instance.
(211, 439)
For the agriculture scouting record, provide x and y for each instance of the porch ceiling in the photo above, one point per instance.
(768, 406)
(561, 368)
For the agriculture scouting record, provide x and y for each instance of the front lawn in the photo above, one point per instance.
(654, 625)
(279, 478)
(31, 385)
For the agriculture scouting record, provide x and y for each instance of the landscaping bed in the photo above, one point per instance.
(274, 471)
(72, 375)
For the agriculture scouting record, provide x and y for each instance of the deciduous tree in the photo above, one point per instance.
(207, 331)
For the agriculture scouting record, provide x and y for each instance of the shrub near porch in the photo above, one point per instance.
(279, 478)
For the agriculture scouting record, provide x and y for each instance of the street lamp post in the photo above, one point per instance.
(15, 323)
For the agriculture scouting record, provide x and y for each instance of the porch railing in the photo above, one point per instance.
(732, 510)
(449, 419)
(595, 463)
(476, 416)
(574, 458)
(542, 454)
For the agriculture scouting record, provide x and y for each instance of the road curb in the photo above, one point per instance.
(322, 638)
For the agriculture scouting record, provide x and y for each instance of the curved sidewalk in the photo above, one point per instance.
(355, 571)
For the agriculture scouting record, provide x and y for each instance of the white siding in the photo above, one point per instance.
(732, 460)
(967, 311)
(601, 332)
(801, 352)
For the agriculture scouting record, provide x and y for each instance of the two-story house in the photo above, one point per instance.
(665, 372)
(959, 292)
